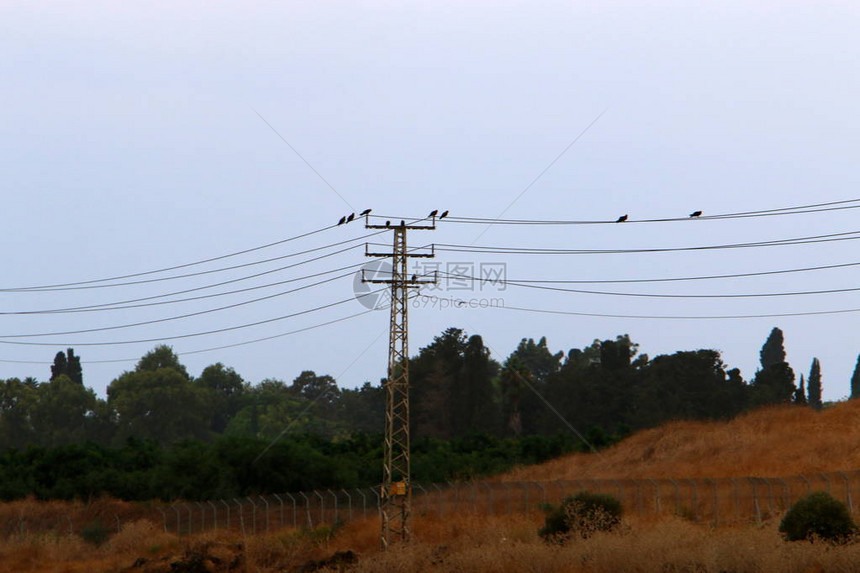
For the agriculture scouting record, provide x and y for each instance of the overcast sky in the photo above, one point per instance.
(141, 137)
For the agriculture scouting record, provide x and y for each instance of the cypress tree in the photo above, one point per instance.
(855, 380)
(773, 351)
(800, 393)
(814, 385)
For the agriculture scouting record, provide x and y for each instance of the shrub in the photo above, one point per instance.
(94, 532)
(584, 514)
(817, 516)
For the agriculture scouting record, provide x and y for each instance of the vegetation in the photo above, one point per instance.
(817, 516)
(583, 514)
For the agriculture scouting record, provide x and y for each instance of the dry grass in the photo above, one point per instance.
(774, 441)
(770, 442)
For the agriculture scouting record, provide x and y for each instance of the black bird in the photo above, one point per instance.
(443, 215)
(696, 214)
(414, 278)
(402, 223)
(388, 223)
(365, 212)
(433, 213)
(342, 220)
(350, 218)
(621, 219)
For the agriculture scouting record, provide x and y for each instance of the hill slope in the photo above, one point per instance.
(774, 441)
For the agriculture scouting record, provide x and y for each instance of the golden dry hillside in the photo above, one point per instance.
(774, 441)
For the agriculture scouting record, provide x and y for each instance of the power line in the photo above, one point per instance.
(526, 284)
(97, 283)
(795, 210)
(127, 304)
(176, 317)
(827, 238)
(212, 349)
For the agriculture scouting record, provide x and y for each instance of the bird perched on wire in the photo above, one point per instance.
(350, 218)
(621, 219)
(342, 220)
(402, 223)
(433, 213)
(414, 278)
(696, 214)
(388, 223)
(443, 215)
(365, 212)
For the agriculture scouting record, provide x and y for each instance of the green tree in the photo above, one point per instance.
(855, 380)
(67, 364)
(160, 404)
(814, 385)
(515, 381)
(224, 389)
(161, 356)
(17, 399)
(774, 383)
(62, 412)
(800, 393)
(773, 351)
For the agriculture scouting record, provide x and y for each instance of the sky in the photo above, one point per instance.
(142, 136)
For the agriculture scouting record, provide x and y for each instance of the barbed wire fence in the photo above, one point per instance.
(717, 501)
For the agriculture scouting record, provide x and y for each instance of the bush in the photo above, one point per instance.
(584, 514)
(817, 516)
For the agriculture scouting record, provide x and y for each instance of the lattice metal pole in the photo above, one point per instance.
(396, 491)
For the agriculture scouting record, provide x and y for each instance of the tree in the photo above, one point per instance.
(800, 393)
(774, 383)
(17, 399)
(814, 384)
(68, 365)
(62, 412)
(855, 380)
(160, 404)
(773, 351)
(225, 389)
(162, 356)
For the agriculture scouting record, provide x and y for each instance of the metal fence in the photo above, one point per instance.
(708, 500)
(713, 500)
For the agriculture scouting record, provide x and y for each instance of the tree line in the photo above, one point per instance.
(158, 424)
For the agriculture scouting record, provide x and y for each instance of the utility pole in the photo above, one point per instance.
(396, 494)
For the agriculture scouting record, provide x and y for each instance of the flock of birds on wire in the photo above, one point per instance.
(693, 215)
(349, 218)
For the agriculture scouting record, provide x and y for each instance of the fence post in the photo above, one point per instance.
(377, 491)
(508, 497)
(424, 494)
(281, 513)
(227, 505)
(178, 522)
(322, 506)
(363, 503)
(752, 480)
(266, 503)
(214, 515)
(336, 508)
(542, 491)
(808, 485)
(349, 503)
(295, 517)
(737, 494)
(560, 485)
(695, 498)
(713, 483)
(241, 515)
(161, 511)
(827, 481)
(657, 508)
(677, 496)
(786, 493)
(307, 509)
(253, 516)
(202, 515)
(844, 476)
